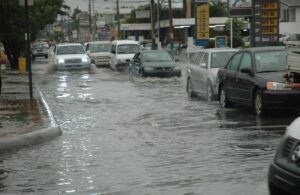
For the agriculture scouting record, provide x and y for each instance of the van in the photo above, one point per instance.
(122, 52)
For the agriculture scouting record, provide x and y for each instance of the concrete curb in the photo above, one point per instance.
(39, 136)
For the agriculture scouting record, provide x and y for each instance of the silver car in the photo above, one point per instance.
(99, 52)
(202, 71)
(70, 56)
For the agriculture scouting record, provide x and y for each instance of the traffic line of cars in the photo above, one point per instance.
(117, 55)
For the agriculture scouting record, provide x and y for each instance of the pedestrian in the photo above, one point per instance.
(3, 61)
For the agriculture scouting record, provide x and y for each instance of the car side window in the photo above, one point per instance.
(204, 61)
(234, 63)
(196, 58)
(246, 61)
(113, 49)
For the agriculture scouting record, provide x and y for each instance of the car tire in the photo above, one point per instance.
(258, 104)
(189, 89)
(223, 99)
(46, 56)
(209, 92)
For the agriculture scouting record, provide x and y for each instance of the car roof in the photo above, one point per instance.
(154, 51)
(98, 42)
(193, 50)
(68, 44)
(125, 42)
(268, 48)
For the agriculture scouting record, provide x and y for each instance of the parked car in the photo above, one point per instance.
(284, 171)
(39, 49)
(154, 63)
(99, 52)
(122, 52)
(254, 77)
(202, 71)
(70, 56)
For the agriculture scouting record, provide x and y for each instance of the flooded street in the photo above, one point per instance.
(142, 136)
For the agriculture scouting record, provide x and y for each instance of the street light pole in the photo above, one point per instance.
(27, 37)
(118, 18)
(171, 26)
(158, 21)
(90, 21)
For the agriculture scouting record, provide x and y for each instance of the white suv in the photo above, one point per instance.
(122, 52)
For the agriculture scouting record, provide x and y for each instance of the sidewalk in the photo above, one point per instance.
(23, 121)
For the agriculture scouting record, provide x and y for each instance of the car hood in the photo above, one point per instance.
(160, 64)
(271, 76)
(71, 56)
(125, 56)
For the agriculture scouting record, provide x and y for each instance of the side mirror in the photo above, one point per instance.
(247, 71)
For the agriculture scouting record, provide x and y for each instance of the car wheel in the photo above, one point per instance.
(209, 92)
(224, 102)
(46, 56)
(258, 104)
(189, 89)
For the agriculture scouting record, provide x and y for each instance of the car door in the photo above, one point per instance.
(229, 76)
(203, 73)
(135, 64)
(194, 69)
(243, 80)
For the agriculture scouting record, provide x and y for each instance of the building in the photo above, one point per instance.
(289, 16)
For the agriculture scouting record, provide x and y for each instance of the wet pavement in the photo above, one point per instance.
(142, 136)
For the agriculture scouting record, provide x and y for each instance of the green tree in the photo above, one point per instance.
(217, 8)
(237, 26)
(13, 26)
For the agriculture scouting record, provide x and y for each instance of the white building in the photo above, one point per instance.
(289, 16)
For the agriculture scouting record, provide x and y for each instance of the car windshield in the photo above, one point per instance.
(70, 49)
(270, 61)
(157, 56)
(39, 46)
(100, 47)
(128, 48)
(219, 59)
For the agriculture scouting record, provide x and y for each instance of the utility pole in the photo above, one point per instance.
(90, 20)
(28, 60)
(118, 19)
(171, 26)
(152, 23)
(158, 21)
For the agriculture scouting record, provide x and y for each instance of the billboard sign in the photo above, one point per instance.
(266, 19)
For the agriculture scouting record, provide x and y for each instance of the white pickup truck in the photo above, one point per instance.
(293, 62)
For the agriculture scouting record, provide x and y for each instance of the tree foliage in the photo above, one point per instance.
(13, 23)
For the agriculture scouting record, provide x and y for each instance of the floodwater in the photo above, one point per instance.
(126, 136)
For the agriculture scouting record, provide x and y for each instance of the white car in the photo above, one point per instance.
(202, 71)
(70, 56)
(99, 52)
(122, 52)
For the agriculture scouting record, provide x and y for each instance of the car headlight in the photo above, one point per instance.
(60, 61)
(85, 60)
(148, 69)
(276, 86)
